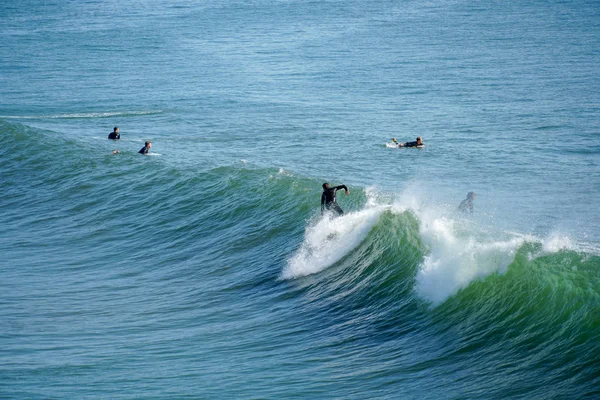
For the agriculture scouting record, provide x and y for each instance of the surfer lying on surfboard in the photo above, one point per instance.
(417, 143)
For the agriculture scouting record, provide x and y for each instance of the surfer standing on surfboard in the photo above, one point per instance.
(328, 198)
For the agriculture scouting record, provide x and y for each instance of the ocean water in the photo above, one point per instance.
(206, 270)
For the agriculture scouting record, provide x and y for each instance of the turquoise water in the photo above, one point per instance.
(206, 270)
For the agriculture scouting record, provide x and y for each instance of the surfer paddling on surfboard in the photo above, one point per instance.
(417, 143)
(146, 148)
(328, 198)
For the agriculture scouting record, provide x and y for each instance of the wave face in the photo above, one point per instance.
(115, 263)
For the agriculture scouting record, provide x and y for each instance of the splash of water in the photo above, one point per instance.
(328, 239)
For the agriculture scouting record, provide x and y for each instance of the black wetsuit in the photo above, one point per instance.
(412, 144)
(328, 199)
(466, 206)
(114, 136)
(144, 150)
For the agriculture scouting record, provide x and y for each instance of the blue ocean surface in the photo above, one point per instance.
(206, 270)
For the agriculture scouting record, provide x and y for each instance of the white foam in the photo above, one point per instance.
(328, 239)
(83, 115)
(454, 260)
(457, 251)
(461, 251)
(556, 242)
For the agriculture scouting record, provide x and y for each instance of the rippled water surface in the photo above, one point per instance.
(206, 270)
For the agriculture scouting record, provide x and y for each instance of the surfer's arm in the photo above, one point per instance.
(342, 187)
(322, 202)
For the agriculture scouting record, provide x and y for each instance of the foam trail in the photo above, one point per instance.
(329, 239)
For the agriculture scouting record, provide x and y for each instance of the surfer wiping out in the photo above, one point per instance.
(328, 198)
(417, 143)
(466, 205)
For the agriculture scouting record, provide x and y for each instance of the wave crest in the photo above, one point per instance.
(84, 115)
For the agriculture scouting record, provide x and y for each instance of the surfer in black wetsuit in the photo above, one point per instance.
(146, 148)
(417, 143)
(328, 198)
(466, 206)
(115, 135)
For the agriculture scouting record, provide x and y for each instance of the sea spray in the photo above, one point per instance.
(556, 242)
(327, 240)
(458, 254)
(457, 250)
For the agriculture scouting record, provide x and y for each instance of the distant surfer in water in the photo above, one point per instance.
(328, 198)
(115, 135)
(417, 143)
(466, 205)
(146, 148)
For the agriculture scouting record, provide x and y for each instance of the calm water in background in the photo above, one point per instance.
(206, 271)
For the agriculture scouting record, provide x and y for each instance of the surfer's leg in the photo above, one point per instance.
(337, 208)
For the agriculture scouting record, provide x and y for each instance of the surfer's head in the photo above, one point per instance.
(116, 129)
(471, 195)
(148, 144)
(419, 140)
(326, 185)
